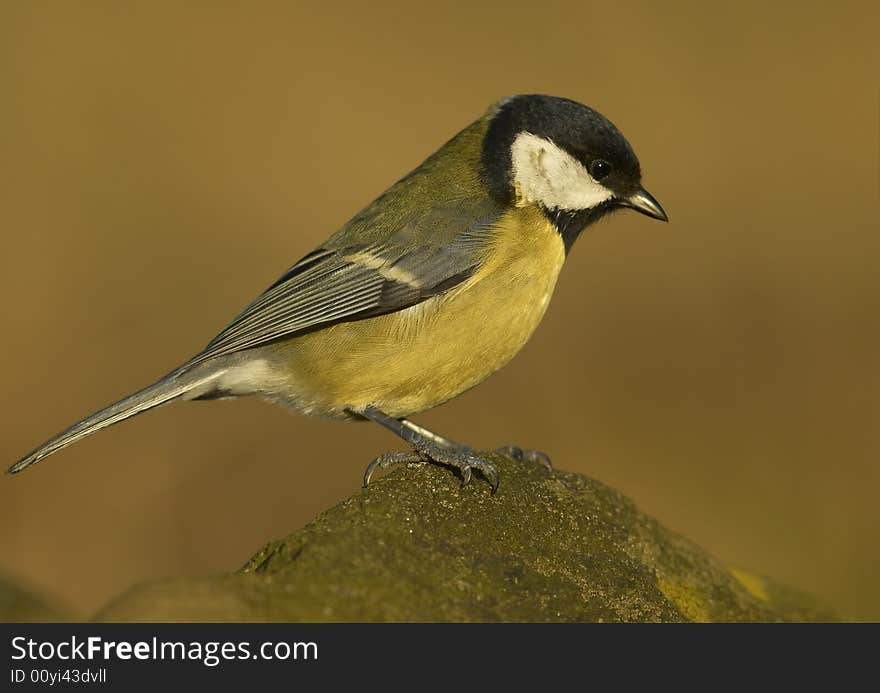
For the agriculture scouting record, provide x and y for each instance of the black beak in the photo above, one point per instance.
(644, 202)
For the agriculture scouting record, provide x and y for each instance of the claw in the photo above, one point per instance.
(368, 472)
(534, 456)
(511, 451)
(388, 459)
(541, 458)
(492, 477)
(466, 475)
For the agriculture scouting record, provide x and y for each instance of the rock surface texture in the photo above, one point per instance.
(416, 547)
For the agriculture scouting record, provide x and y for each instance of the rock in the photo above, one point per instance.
(416, 547)
(19, 604)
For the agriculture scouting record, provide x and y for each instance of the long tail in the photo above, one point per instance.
(170, 387)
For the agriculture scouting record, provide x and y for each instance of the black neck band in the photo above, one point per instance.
(571, 224)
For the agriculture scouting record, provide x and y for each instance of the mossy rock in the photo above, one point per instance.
(20, 604)
(416, 547)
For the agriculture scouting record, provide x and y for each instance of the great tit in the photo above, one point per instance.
(426, 292)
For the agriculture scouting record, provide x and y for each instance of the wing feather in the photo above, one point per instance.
(332, 285)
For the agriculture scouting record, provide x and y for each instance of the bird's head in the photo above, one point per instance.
(566, 159)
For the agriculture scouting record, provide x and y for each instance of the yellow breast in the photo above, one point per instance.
(418, 358)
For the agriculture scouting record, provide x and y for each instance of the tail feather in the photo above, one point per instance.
(164, 390)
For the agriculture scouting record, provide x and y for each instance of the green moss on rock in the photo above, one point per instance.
(416, 547)
(19, 604)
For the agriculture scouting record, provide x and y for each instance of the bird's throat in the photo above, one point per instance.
(570, 224)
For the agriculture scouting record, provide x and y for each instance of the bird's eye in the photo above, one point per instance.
(599, 168)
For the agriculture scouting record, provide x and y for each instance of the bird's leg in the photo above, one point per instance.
(514, 452)
(430, 435)
(428, 447)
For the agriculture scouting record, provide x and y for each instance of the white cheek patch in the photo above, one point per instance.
(545, 174)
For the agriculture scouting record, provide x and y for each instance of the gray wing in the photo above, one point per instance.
(338, 282)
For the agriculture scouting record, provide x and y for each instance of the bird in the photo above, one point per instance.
(423, 294)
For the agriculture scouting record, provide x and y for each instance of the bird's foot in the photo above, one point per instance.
(392, 459)
(520, 455)
(459, 457)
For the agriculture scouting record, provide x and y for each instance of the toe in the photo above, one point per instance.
(492, 477)
(389, 459)
(511, 451)
(541, 458)
(519, 454)
(466, 475)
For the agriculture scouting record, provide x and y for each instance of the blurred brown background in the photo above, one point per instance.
(163, 163)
